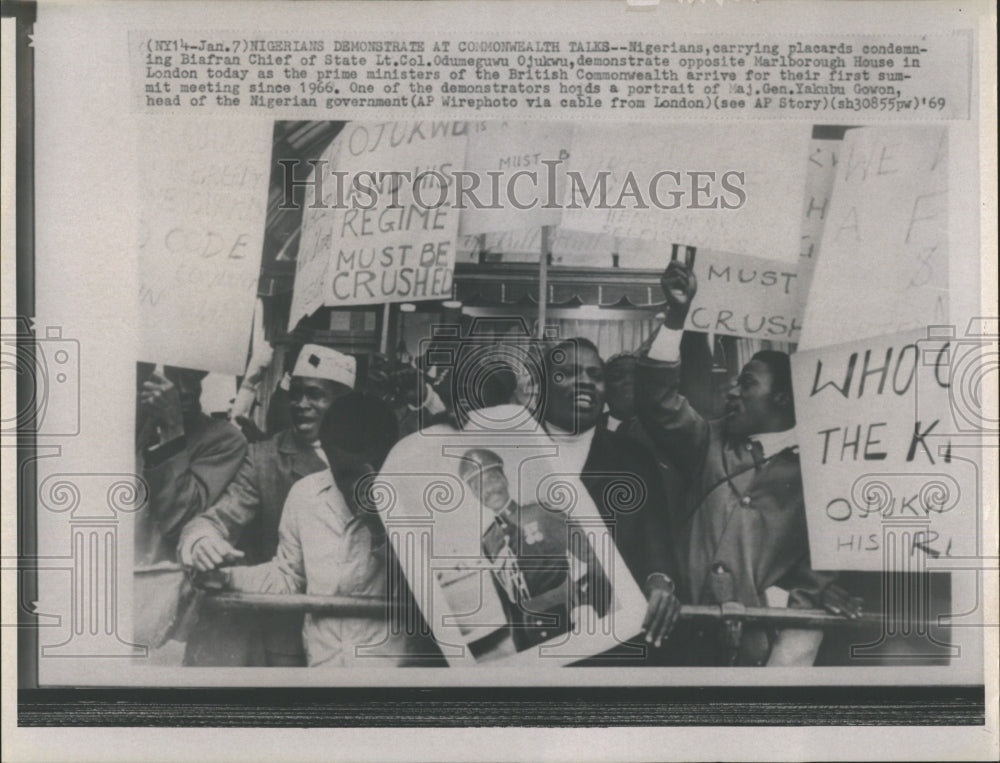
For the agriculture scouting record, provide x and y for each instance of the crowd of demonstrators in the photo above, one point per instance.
(246, 529)
(328, 545)
(720, 516)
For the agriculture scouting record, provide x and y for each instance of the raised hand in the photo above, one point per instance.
(679, 286)
(162, 400)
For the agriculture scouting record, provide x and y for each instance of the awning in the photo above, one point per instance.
(511, 284)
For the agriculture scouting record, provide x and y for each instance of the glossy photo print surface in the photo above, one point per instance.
(491, 364)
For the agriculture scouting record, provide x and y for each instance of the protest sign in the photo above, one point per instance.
(745, 296)
(888, 467)
(517, 245)
(738, 295)
(581, 249)
(884, 263)
(316, 241)
(204, 198)
(387, 233)
(528, 165)
(571, 248)
(821, 171)
(722, 186)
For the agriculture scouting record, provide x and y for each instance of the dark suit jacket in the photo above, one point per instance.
(534, 544)
(184, 477)
(248, 512)
(622, 478)
(746, 516)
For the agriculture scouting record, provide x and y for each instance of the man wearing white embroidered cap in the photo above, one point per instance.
(242, 526)
(326, 363)
(314, 371)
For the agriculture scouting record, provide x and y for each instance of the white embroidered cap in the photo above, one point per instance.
(325, 363)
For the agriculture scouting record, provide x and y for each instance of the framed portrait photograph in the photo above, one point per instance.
(499, 380)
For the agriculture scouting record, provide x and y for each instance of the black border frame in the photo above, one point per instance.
(606, 706)
(446, 707)
(25, 12)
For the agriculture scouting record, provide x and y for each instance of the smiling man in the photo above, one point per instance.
(619, 475)
(243, 524)
(744, 506)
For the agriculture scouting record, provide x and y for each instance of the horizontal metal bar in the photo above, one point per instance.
(801, 618)
(341, 606)
(347, 606)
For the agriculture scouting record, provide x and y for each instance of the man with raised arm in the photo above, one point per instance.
(187, 459)
(744, 506)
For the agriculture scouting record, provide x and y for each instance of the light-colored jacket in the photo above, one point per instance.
(247, 515)
(325, 549)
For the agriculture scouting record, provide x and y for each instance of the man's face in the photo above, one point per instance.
(490, 485)
(575, 388)
(620, 380)
(309, 400)
(188, 384)
(750, 403)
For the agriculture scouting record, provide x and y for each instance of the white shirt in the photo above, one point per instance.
(666, 346)
(316, 446)
(772, 443)
(573, 448)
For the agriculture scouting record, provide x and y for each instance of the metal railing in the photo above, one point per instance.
(376, 607)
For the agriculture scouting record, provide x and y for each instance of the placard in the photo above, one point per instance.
(821, 171)
(725, 187)
(387, 231)
(745, 296)
(888, 462)
(885, 244)
(316, 239)
(574, 248)
(530, 159)
(201, 233)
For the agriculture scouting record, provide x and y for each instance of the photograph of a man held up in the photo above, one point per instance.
(584, 442)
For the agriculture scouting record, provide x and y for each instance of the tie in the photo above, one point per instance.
(757, 451)
(320, 452)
